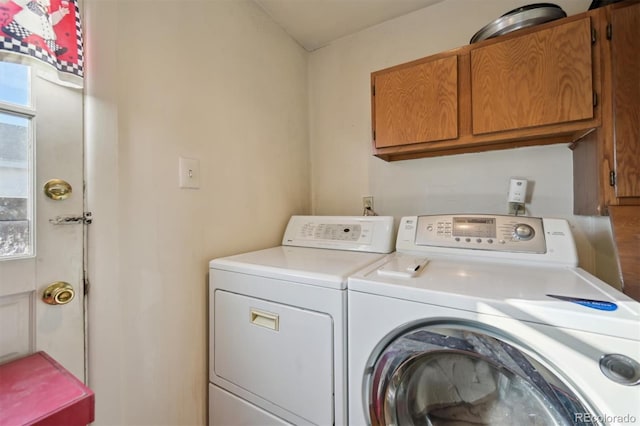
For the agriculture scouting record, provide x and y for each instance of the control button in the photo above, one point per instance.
(457, 238)
(621, 369)
(429, 228)
(490, 241)
(468, 240)
(523, 232)
(478, 240)
(502, 241)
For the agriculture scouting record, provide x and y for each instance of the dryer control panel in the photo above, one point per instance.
(499, 236)
(503, 233)
(372, 234)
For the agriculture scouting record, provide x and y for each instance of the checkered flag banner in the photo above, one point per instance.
(46, 34)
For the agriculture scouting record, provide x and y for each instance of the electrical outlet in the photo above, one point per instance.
(516, 209)
(367, 203)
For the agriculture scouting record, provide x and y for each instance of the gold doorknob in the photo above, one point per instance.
(57, 189)
(58, 293)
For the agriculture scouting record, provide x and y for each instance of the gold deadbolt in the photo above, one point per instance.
(58, 293)
(57, 189)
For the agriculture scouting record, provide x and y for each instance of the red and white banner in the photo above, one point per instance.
(48, 31)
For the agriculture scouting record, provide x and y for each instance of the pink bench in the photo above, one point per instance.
(36, 390)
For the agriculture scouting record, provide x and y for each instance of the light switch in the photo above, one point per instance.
(189, 173)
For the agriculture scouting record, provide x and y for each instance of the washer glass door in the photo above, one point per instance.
(442, 375)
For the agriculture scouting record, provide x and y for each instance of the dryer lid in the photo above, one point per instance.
(320, 267)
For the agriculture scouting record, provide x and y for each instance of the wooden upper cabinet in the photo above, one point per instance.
(415, 102)
(540, 78)
(535, 86)
(625, 67)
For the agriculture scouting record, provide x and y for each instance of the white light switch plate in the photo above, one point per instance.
(189, 173)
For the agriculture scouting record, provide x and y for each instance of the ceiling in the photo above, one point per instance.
(316, 23)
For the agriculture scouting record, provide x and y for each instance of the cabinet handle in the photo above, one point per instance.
(264, 319)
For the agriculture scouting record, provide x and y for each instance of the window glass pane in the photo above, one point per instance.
(15, 189)
(15, 84)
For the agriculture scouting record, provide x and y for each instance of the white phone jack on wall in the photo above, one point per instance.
(517, 197)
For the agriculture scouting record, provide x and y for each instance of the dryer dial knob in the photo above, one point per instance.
(523, 232)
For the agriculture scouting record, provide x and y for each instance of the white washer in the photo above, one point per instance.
(277, 335)
(487, 319)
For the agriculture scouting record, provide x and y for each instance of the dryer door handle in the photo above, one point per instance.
(264, 319)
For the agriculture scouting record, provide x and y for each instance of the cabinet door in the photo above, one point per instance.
(540, 78)
(416, 103)
(625, 45)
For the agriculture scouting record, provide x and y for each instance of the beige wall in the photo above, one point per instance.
(219, 82)
(212, 80)
(343, 169)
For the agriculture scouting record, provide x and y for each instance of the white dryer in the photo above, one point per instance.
(481, 319)
(277, 337)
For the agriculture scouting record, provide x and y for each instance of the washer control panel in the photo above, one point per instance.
(484, 232)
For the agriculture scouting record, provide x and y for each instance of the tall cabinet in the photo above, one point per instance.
(607, 161)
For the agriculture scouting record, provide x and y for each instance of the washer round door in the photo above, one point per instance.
(458, 374)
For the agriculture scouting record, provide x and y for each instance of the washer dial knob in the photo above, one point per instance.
(523, 232)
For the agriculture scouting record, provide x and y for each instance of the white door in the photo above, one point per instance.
(40, 140)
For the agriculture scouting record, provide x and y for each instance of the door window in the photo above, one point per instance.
(16, 162)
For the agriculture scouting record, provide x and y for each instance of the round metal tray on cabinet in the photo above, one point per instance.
(516, 19)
